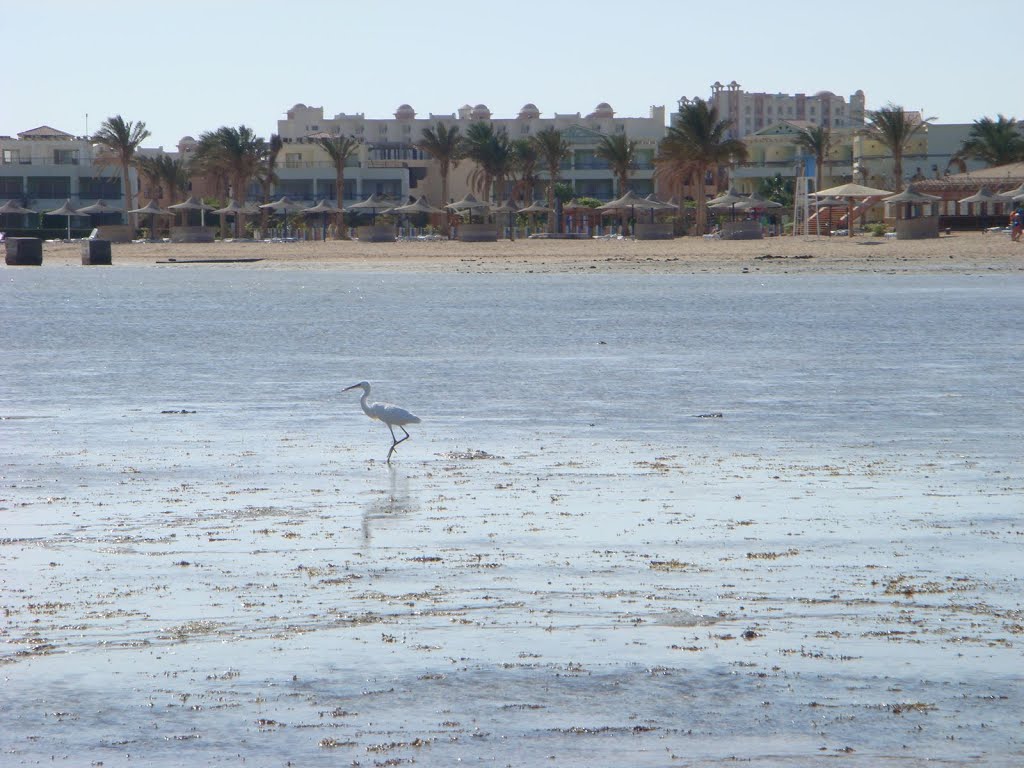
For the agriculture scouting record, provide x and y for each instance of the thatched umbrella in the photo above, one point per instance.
(511, 209)
(373, 205)
(153, 210)
(908, 198)
(468, 203)
(13, 208)
(66, 210)
(849, 193)
(729, 199)
(986, 196)
(284, 206)
(324, 208)
(628, 202)
(193, 203)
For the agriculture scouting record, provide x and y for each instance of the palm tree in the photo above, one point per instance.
(267, 174)
(892, 127)
(697, 143)
(119, 139)
(340, 149)
(445, 145)
(553, 149)
(993, 142)
(234, 154)
(491, 150)
(164, 172)
(173, 175)
(525, 159)
(620, 154)
(817, 141)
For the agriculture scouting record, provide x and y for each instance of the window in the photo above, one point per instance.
(10, 187)
(382, 128)
(12, 156)
(49, 187)
(65, 157)
(90, 188)
(293, 159)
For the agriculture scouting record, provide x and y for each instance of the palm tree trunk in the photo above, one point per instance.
(128, 205)
(339, 180)
(445, 228)
(701, 207)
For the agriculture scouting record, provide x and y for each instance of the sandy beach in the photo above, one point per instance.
(954, 253)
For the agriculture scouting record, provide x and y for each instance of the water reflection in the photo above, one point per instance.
(390, 504)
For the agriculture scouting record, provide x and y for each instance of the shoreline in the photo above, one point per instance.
(958, 253)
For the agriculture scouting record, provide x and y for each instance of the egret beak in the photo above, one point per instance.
(354, 386)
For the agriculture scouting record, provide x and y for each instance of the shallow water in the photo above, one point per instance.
(647, 520)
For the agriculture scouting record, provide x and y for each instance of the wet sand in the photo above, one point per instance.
(958, 252)
(210, 563)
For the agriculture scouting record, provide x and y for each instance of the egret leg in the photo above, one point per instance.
(395, 441)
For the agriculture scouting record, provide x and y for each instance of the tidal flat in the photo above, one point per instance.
(648, 520)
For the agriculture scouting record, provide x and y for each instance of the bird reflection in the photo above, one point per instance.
(390, 504)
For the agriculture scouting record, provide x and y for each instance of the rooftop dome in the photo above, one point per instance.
(529, 112)
(603, 109)
(405, 112)
(480, 112)
(824, 95)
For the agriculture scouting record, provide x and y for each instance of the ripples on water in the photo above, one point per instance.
(564, 559)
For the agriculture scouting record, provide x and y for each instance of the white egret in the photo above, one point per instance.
(390, 414)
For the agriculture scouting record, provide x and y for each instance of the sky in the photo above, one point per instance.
(186, 67)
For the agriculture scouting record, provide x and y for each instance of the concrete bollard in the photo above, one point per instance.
(96, 252)
(24, 252)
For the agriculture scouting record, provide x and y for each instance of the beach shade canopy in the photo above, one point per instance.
(193, 203)
(99, 207)
(66, 210)
(730, 198)
(659, 205)
(628, 201)
(231, 209)
(419, 206)
(908, 197)
(12, 207)
(506, 207)
(757, 203)
(830, 202)
(324, 208)
(986, 195)
(372, 205)
(575, 205)
(469, 203)
(152, 209)
(284, 205)
(1015, 194)
(847, 191)
(537, 207)
(911, 195)
(851, 192)
(728, 201)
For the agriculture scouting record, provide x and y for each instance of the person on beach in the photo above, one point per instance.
(1017, 223)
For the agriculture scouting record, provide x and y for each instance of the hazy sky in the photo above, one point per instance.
(185, 67)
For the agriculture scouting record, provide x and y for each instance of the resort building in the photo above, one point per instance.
(43, 167)
(930, 154)
(389, 163)
(753, 112)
